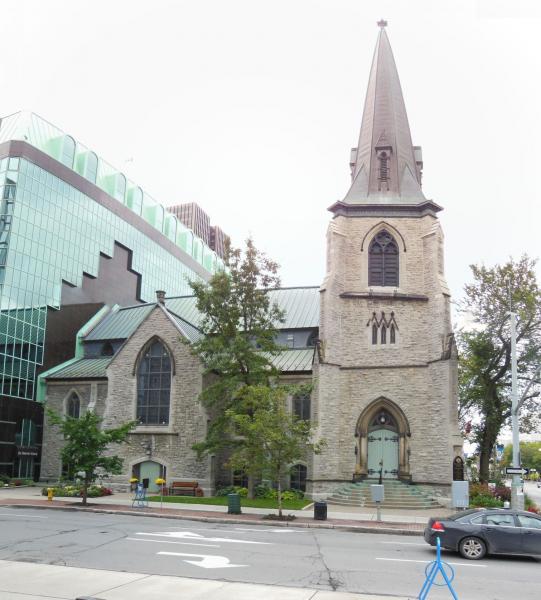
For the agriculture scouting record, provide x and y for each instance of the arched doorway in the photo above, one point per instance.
(383, 446)
(149, 470)
(382, 434)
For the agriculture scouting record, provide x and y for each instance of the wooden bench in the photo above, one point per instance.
(185, 488)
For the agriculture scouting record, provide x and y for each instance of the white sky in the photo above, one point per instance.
(250, 108)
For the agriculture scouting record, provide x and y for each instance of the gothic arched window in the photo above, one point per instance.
(73, 406)
(383, 334)
(374, 334)
(393, 334)
(383, 260)
(298, 478)
(154, 386)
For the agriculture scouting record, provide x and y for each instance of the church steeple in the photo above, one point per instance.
(385, 166)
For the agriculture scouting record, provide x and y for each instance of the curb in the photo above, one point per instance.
(229, 520)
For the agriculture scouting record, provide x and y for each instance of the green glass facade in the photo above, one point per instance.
(51, 232)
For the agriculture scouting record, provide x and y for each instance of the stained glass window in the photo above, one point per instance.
(154, 386)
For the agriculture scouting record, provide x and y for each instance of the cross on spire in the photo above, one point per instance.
(382, 23)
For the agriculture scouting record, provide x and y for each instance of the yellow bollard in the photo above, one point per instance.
(50, 494)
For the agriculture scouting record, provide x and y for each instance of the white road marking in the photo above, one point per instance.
(404, 543)
(21, 515)
(195, 536)
(428, 561)
(180, 543)
(208, 561)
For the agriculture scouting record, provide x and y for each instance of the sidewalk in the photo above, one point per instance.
(346, 518)
(24, 581)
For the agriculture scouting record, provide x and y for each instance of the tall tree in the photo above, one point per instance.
(274, 438)
(86, 443)
(530, 453)
(239, 331)
(485, 351)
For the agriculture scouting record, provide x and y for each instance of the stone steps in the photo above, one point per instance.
(397, 495)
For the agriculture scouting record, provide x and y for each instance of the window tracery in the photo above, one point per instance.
(384, 329)
(383, 260)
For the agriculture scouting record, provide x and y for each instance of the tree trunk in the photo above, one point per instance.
(279, 497)
(251, 486)
(489, 437)
(85, 491)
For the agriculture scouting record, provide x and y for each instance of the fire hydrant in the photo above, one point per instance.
(50, 492)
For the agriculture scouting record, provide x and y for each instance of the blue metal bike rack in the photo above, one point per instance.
(140, 499)
(432, 569)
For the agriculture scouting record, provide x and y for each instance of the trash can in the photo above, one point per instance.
(320, 511)
(233, 504)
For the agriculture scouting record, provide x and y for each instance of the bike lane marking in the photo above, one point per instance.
(429, 561)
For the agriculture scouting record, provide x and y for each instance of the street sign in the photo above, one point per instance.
(516, 471)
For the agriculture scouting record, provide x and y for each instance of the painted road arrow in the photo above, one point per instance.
(208, 561)
(188, 535)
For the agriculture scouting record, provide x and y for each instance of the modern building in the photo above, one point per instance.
(196, 219)
(75, 234)
(375, 338)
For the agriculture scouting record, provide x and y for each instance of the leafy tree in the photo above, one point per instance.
(530, 453)
(485, 351)
(86, 443)
(238, 344)
(274, 439)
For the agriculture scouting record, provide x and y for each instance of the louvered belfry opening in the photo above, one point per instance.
(383, 260)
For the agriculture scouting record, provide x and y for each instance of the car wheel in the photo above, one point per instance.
(472, 548)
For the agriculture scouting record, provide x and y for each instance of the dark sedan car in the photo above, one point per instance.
(477, 532)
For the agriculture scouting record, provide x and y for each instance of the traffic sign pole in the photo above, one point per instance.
(517, 497)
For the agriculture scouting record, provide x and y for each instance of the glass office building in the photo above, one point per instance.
(75, 234)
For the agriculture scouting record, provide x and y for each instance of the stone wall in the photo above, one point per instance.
(53, 442)
(169, 445)
(414, 374)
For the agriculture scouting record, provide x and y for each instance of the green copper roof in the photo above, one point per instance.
(300, 304)
(192, 333)
(121, 324)
(85, 368)
(294, 360)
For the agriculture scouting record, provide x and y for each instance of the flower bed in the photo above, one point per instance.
(75, 491)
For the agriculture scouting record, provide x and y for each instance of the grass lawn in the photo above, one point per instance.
(222, 501)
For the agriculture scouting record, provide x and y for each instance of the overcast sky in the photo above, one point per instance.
(250, 108)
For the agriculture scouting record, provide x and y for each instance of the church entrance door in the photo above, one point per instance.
(383, 453)
(150, 470)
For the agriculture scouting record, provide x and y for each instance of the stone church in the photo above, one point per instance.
(376, 339)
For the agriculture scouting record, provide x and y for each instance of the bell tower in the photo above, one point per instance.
(385, 394)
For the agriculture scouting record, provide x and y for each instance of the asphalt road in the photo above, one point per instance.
(312, 558)
(530, 488)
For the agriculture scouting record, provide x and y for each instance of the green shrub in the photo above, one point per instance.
(263, 491)
(486, 501)
(232, 489)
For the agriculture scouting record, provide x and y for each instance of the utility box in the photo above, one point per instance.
(378, 493)
(460, 494)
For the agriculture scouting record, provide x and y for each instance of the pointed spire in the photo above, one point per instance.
(385, 167)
